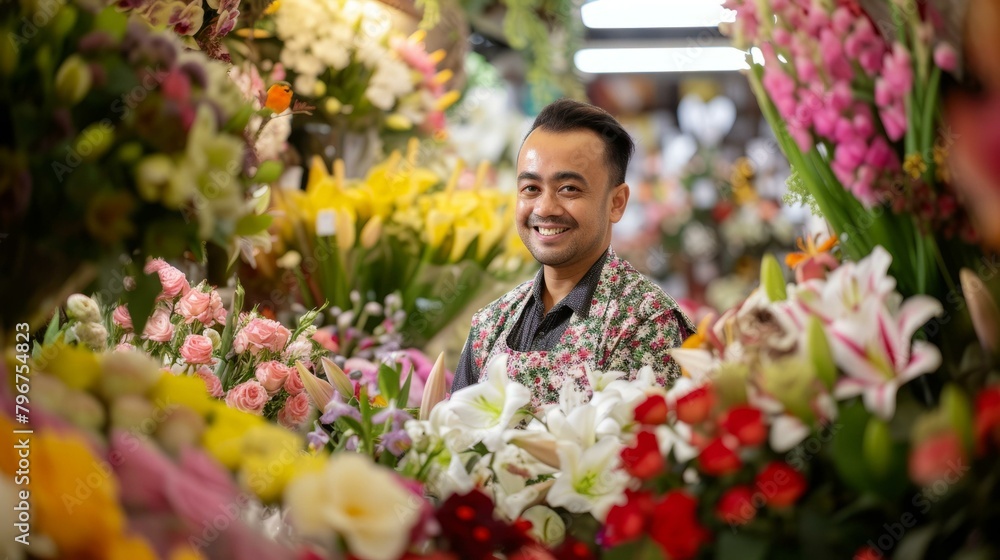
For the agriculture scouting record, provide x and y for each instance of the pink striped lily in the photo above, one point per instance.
(873, 349)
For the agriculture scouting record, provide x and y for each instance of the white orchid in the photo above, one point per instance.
(590, 479)
(873, 348)
(489, 407)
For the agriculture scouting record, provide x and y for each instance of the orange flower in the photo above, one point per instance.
(814, 260)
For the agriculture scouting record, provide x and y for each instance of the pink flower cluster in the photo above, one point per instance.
(271, 377)
(415, 55)
(261, 334)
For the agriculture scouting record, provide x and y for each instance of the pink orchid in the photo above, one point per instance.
(873, 349)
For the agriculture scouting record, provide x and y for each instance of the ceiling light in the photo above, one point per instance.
(623, 14)
(660, 59)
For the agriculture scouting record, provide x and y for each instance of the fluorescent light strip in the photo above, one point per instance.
(660, 59)
(629, 14)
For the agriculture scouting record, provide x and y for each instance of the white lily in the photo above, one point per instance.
(491, 406)
(590, 479)
(873, 348)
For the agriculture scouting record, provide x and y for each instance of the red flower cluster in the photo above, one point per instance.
(671, 521)
(471, 531)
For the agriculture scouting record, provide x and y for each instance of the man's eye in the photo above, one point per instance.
(570, 188)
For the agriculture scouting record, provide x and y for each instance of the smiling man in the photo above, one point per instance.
(586, 308)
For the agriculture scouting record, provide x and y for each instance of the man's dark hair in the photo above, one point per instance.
(566, 115)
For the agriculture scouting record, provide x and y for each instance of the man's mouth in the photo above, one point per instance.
(550, 231)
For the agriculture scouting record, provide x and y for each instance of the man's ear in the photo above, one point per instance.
(619, 198)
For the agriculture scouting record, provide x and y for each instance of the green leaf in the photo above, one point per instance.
(772, 279)
(52, 331)
(740, 546)
(268, 172)
(957, 410)
(877, 446)
(846, 447)
(142, 299)
(642, 549)
(388, 382)
(252, 223)
(404, 393)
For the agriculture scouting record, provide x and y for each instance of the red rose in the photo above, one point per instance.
(676, 528)
(716, 459)
(939, 457)
(628, 522)
(652, 411)
(988, 419)
(643, 460)
(736, 507)
(868, 553)
(781, 484)
(746, 423)
(694, 407)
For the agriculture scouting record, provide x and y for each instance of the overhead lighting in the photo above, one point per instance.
(660, 59)
(626, 14)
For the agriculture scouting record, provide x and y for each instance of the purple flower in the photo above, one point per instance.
(396, 441)
(397, 416)
(336, 408)
(318, 438)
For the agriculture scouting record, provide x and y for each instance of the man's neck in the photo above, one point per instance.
(559, 282)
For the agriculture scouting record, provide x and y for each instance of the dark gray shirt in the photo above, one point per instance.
(535, 329)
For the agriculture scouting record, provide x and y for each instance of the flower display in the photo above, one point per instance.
(149, 135)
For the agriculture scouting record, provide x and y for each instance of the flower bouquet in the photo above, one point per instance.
(121, 143)
(853, 93)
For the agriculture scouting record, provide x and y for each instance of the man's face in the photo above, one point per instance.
(565, 206)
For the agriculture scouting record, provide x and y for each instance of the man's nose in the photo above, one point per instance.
(547, 205)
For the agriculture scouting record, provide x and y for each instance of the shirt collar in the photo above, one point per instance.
(580, 297)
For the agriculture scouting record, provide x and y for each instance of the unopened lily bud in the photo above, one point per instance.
(539, 447)
(435, 389)
(772, 280)
(319, 391)
(338, 378)
(982, 308)
(371, 232)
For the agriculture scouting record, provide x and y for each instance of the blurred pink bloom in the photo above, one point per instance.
(121, 317)
(212, 382)
(295, 411)
(173, 281)
(946, 57)
(327, 338)
(939, 457)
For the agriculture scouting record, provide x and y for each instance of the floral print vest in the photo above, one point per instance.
(630, 324)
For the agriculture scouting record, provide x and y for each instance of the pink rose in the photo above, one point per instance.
(295, 412)
(173, 281)
(122, 318)
(197, 349)
(249, 396)
(260, 334)
(124, 347)
(272, 375)
(211, 380)
(293, 383)
(203, 307)
(158, 327)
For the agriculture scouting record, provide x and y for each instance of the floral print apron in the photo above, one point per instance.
(631, 324)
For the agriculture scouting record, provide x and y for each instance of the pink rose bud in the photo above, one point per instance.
(272, 375)
(158, 327)
(197, 349)
(173, 281)
(249, 396)
(121, 317)
(295, 412)
(261, 334)
(212, 382)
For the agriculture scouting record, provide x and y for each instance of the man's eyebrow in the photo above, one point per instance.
(560, 176)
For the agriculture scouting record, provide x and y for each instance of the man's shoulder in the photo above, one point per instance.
(653, 299)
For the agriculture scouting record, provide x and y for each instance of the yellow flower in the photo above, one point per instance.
(75, 366)
(74, 495)
(809, 249)
(223, 439)
(132, 548)
(181, 390)
(269, 454)
(914, 165)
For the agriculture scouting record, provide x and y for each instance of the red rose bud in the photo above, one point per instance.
(627, 522)
(736, 507)
(694, 407)
(718, 460)
(747, 424)
(675, 526)
(988, 420)
(780, 484)
(643, 460)
(939, 457)
(652, 411)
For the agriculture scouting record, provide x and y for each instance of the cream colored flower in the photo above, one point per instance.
(357, 500)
